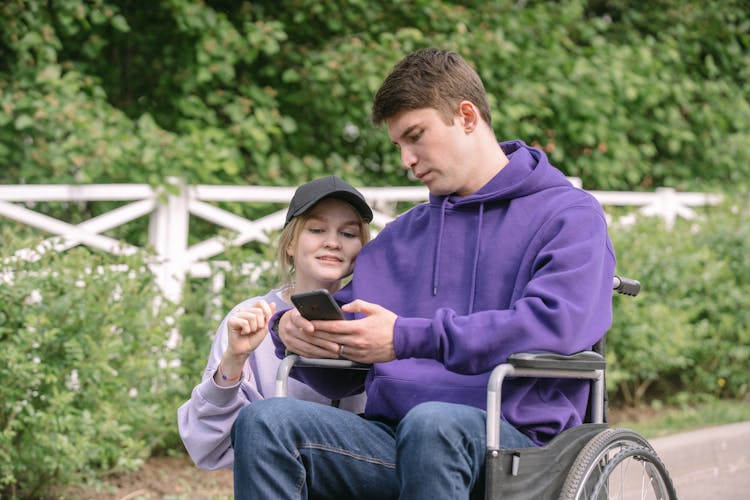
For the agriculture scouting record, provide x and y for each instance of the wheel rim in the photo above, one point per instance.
(618, 464)
(632, 473)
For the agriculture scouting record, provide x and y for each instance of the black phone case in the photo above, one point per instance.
(317, 304)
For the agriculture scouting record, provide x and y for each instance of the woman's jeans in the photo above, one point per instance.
(292, 449)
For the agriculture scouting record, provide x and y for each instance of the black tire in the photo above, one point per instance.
(591, 475)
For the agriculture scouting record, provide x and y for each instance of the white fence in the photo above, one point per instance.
(170, 214)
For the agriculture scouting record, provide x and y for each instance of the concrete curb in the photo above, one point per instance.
(708, 463)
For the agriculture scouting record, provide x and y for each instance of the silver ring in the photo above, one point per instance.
(341, 350)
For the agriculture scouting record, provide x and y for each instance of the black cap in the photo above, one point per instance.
(309, 194)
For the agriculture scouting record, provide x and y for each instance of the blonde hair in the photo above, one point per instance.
(290, 236)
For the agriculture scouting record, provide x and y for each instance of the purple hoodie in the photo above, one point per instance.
(523, 264)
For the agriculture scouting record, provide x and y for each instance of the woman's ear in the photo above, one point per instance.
(469, 116)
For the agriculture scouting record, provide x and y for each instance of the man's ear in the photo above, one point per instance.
(469, 115)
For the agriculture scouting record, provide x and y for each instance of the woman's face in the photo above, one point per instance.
(327, 245)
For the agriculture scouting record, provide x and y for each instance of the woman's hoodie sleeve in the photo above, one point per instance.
(205, 421)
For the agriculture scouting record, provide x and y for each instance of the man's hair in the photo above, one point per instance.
(430, 78)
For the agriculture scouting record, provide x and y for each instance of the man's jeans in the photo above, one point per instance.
(292, 449)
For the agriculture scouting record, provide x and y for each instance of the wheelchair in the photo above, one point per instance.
(589, 461)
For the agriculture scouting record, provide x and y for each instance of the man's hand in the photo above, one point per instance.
(298, 335)
(365, 340)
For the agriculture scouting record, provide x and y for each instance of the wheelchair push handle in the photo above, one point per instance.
(626, 286)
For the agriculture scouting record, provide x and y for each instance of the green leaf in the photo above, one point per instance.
(120, 23)
(23, 122)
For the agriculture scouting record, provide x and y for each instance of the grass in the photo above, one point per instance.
(651, 422)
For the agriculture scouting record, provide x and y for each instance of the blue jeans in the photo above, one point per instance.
(292, 449)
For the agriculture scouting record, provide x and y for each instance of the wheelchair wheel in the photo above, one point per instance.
(617, 464)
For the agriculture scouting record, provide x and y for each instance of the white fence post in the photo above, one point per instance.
(168, 234)
(668, 207)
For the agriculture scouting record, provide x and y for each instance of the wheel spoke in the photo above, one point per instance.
(617, 464)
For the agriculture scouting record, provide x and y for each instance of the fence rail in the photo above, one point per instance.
(169, 211)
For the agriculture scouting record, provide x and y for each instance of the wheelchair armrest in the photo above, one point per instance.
(292, 360)
(582, 365)
(584, 360)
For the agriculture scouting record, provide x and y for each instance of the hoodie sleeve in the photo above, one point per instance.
(205, 421)
(278, 344)
(562, 303)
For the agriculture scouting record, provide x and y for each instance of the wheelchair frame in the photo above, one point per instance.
(578, 463)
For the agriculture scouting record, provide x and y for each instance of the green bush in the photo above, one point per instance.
(625, 95)
(686, 337)
(88, 369)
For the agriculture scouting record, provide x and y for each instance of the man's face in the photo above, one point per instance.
(434, 151)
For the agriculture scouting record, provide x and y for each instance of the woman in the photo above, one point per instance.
(326, 226)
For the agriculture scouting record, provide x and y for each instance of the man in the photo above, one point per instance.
(506, 257)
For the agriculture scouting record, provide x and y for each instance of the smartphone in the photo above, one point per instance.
(317, 304)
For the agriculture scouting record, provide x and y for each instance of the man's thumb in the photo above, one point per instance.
(360, 306)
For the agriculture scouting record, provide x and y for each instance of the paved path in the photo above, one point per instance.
(711, 463)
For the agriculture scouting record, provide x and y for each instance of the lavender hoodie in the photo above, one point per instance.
(205, 421)
(523, 264)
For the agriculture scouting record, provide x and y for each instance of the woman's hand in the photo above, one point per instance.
(246, 329)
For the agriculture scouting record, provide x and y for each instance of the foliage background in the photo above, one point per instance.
(626, 95)
(90, 371)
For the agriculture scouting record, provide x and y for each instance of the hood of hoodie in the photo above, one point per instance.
(528, 172)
